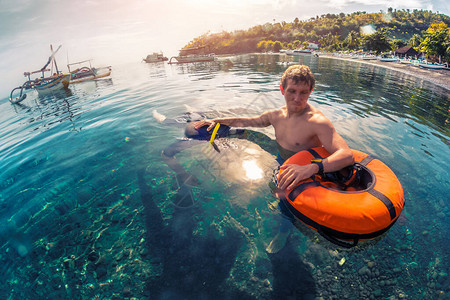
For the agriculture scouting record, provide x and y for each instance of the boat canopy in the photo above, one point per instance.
(79, 63)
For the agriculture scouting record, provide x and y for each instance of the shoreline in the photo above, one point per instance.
(440, 78)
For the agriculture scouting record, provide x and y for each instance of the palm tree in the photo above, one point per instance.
(353, 40)
(378, 42)
(415, 40)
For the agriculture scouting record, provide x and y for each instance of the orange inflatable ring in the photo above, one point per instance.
(344, 213)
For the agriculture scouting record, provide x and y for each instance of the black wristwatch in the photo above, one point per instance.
(318, 161)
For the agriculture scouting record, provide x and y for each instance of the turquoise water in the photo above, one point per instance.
(90, 210)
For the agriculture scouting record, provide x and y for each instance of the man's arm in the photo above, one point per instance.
(263, 120)
(340, 157)
(340, 154)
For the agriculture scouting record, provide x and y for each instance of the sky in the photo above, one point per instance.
(119, 31)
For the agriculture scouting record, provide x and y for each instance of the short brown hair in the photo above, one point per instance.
(298, 73)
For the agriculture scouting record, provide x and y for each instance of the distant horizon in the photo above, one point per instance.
(111, 32)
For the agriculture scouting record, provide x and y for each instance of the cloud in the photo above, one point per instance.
(127, 28)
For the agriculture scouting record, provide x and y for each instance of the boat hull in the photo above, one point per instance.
(431, 66)
(151, 61)
(369, 58)
(193, 58)
(299, 52)
(51, 84)
(388, 59)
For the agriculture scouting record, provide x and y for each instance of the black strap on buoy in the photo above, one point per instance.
(387, 202)
(336, 241)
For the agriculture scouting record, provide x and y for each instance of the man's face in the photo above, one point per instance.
(296, 95)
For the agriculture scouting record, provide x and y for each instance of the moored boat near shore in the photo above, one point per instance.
(194, 54)
(388, 59)
(42, 84)
(408, 61)
(193, 58)
(429, 65)
(155, 58)
(299, 52)
(369, 57)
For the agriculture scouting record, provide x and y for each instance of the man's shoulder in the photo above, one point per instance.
(317, 118)
(274, 113)
(277, 110)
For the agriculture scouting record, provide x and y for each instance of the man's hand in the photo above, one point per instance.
(202, 123)
(293, 174)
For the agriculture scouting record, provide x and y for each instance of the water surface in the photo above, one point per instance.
(89, 209)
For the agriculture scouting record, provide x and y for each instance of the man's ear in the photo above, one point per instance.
(281, 89)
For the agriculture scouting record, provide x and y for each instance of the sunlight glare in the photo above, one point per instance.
(367, 29)
(252, 170)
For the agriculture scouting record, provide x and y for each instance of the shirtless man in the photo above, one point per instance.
(298, 126)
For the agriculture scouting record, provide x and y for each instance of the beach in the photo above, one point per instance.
(438, 77)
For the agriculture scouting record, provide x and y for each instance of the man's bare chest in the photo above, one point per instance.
(295, 137)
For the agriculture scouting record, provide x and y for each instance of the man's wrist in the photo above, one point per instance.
(318, 162)
(316, 168)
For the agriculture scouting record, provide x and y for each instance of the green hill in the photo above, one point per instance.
(332, 32)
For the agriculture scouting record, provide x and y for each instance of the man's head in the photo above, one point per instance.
(296, 86)
(298, 74)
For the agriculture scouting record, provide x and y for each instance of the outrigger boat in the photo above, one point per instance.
(195, 54)
(387, 59)
(297, 52)
(193, 58)
(87, 73)
(428, 65)
(42, 84)
(407, 61)
(368, 57)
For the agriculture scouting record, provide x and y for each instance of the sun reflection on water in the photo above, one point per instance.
(252, 170)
